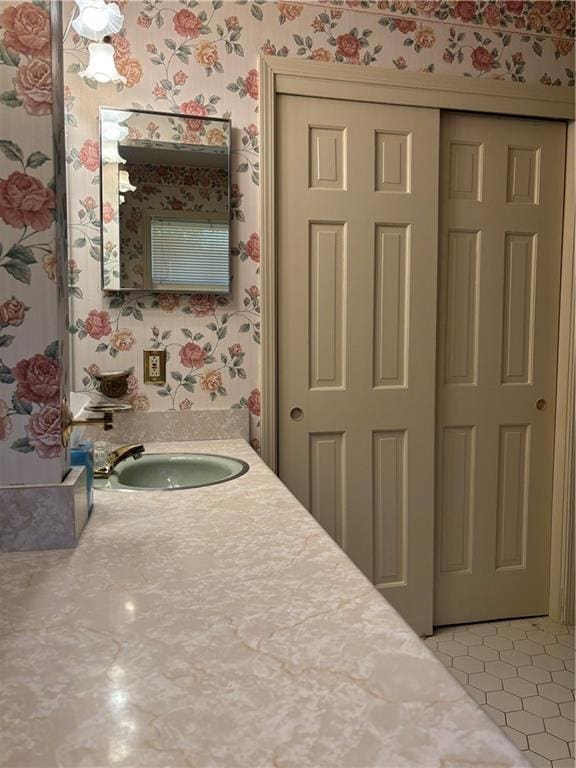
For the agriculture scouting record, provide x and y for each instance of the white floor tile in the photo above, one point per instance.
(560, 727)
(516, 737)
(495, 714)
(522, 674)
(548, 746)
(548, 662)
(541, 707)
(525, 722)
(537, 760)
(567, 710)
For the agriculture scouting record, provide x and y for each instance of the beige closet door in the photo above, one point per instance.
(500, 246)
(357, 215)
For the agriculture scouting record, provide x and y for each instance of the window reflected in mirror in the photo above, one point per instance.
(165, 202)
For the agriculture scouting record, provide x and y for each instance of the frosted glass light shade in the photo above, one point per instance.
(110, 153)
(117, 115)
(113, 131)
(101, 66)
(96, 19)
(124, 182)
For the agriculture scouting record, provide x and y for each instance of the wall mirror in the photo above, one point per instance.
(164, 202)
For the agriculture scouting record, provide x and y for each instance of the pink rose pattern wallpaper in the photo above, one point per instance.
(197, 59)
(30, 294)
(200, 58)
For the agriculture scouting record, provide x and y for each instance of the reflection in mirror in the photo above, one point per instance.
(165, 202)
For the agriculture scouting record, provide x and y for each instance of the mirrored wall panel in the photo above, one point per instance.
(165, 202)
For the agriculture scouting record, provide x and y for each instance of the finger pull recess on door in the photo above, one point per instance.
(296, 414)
(541, 404)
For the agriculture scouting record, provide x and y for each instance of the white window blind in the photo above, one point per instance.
(189, 252)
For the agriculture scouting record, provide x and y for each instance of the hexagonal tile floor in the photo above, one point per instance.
(521, 672)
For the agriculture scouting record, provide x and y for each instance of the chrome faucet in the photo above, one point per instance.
(115, 457)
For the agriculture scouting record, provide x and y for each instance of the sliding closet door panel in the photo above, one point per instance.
(500, 245)
(357, 223)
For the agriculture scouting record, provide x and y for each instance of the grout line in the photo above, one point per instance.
(537, 625)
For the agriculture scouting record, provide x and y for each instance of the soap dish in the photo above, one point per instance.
(113, 383)
(108, 407)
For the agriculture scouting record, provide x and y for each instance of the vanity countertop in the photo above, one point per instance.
(219, 626)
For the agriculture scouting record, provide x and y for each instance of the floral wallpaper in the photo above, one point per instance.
(202, 133)
(201, 58)
(33, 299)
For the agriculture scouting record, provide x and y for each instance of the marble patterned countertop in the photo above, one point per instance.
(219, 627)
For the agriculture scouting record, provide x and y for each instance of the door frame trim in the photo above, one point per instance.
(563, 506)
(349, 82)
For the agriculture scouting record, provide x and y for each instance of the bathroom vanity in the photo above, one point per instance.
(220, 626)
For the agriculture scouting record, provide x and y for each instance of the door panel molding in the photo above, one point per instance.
(327, 306)
(456, 493)
(512, 510)
(391, 305)
(564, 504)
(327, 483)
(462, 300)
(389, 461)
(377, 85)
(518, 327)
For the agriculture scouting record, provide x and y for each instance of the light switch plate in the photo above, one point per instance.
(154, 366)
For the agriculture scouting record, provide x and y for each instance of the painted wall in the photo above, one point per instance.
(201, 59)
(33, 299)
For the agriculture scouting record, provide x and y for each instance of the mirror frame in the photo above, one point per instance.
(209, 118)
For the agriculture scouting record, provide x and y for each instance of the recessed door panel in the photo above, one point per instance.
(327, 473)
(461, 299)
(518, 341)
(327, 166)
(393, 161)
(513, 483)
(390, 479)
(465, 171)
(523, 175)
(390, 305)
(455, 522)
(327, 305)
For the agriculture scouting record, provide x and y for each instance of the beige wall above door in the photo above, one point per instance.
(357, 203)
(500, 251)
